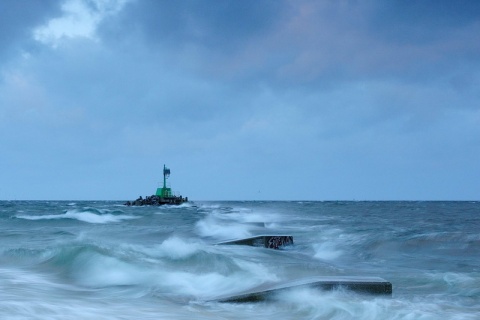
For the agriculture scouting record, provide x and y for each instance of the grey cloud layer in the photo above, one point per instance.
(367, 99)
(299, 42)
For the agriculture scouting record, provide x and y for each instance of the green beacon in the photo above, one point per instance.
(163, 195)
(164, 192)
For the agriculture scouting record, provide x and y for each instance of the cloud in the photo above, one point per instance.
(79, 19)
(295, 99)
(299, 43)
(217, 25)
(18, 17)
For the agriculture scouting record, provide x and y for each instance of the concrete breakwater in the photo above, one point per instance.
(155, 200)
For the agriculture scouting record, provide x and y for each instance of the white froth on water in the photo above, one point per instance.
(252, 217)
(328, 243)
(202, 286)
(210, 285)
(326, 251)
(168, 207)
(167, 267)
(84, 216)
(95, 270)
(260, 271)
(340, 304)
(177, 248)
(214, 227)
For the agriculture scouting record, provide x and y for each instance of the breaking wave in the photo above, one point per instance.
(84, 216)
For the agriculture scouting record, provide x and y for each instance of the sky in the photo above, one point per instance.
(242, 100)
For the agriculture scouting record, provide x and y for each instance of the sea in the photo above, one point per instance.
(105, 260)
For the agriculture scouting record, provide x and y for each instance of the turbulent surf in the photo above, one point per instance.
(77, 260)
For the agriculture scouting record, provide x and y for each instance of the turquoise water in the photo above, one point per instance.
(103, 260)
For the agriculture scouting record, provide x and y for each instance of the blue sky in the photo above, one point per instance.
(243, 100)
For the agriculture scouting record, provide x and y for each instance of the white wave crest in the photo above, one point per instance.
(177, 248)
(84, 216)
(212, 227)
(326, 251)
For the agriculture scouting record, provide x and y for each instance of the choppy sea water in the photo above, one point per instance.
(103, 260)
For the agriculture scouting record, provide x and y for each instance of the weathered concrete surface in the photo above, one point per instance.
(369, 285)
(267, 241)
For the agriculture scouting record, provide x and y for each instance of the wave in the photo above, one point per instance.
(168, 208)
(230, 222)
(173, 248)
(214, 227)
(326, 251)
(84, 216)
(174, 268)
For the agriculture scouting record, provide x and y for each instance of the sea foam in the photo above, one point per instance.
(214, 227)
(84, 216)
(177, 248)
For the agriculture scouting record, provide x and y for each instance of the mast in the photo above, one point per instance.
(166, 174)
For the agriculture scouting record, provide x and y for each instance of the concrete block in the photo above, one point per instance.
(368, 285)
(267, 241)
